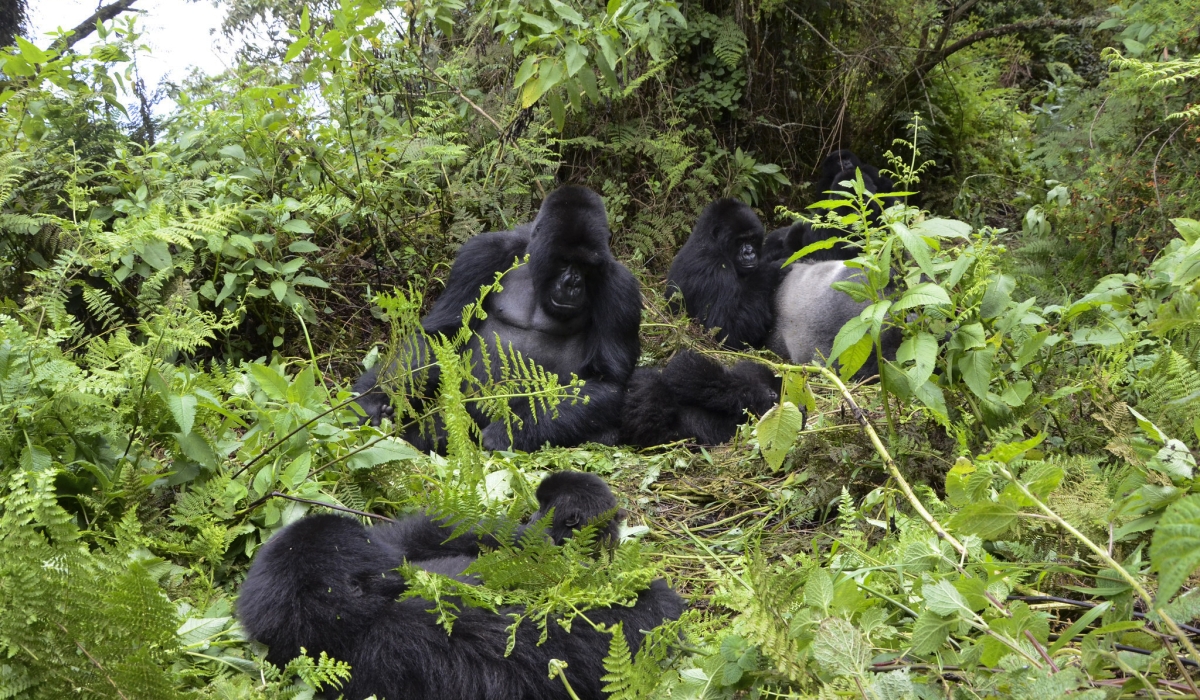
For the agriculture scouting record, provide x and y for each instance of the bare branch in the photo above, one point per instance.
(85, 28)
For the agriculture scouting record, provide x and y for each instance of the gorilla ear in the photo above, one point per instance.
(572, 520)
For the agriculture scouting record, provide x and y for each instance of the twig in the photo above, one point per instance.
(85, 28)
(1041, 650)
(344, 509)
(814, 31)
(1085, 604)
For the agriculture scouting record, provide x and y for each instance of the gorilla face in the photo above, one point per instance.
(576, 499)
(747, 253)
(568, 251)
(568, 292)
(737, 232)
(760, 386)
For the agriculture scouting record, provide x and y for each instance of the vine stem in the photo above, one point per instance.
(888, 462)
(1112, 563)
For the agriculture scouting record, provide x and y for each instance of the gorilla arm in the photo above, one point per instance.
(476, 265)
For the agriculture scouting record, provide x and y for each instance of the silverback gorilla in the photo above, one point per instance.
(572, 308)
(694, 398)
(810, 313)
(719, 274)
(326, 583)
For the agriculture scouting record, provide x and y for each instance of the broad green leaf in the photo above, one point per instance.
(567, 12)
(818, 590)
(1030, 348)
(945, 600)
(931, 395)
(943, 228)
(1175, 460)
(526, 71)
(839, 648)
(1134, 46)
(279, 289)
(930, 632)
(30, 52)
(183, 410)
(576, 56)
(916, 247)
(1080, 625)
(196, 630)
(297, 226)
(273, 384)
(35, 458)
(997, 296)
(851, 333)
(264, 479)
(608, 50)
(1175, 548)
(158, 254)
(558, 111)
(812, 248)
(777, 432)
(382, 452)
(546, 26)
(303, 247)
(924, 294)
(921, 350)
(976, 369)
(297, 471)
(796, 390)
(855, 356)
(296, 47)
(985, 518)
(233, 151)
(1152, 431)
(311, 281)
(1189, 229)
(1008, 451)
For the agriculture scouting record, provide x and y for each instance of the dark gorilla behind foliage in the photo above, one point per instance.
(696, 399)
(327, 584)
(720, 275)
(572, 308)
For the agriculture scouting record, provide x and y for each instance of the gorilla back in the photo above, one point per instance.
(326, 584)
(571, 308)
(810, 313)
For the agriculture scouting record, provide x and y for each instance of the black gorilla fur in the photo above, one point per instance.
(721, 277)
(694, 398)
(573, 308)
(326, 583)
(837, 167)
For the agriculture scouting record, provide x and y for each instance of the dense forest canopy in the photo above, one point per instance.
(188, 292)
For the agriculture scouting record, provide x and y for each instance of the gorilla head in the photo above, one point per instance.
(576, 499)
(320, 578)
(568, 250)
(717, 272)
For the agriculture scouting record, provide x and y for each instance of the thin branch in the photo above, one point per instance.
(95, 662)
(344, 509)
(85, 28)
(814, 31)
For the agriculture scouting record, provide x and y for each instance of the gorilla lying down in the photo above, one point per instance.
(326, 583)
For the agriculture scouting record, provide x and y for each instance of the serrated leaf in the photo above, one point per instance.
(924, 294)
(943, 228)
(1152, 431)
(930, 632)
(851, 332)
(384, 451)
(1175, 548)
(576, 56)
(233, 151)
(279, 289)
(839, 648)
(818, 590)
(1189, 229)
(922, 350)
(273, 384)
(777, 431)
(196, 630)
(297, 471)
(183, 410)
(558, 111)
(975, 366)
(945, 600)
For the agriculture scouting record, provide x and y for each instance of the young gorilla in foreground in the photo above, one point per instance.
(326, 583)
(721, 278)
(694, 398)
(572, 308)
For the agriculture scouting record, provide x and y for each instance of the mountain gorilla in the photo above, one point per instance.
(837, 167)
(694, 398)
(572, 308)
(326, 583)
(720, 276)
(809, 314)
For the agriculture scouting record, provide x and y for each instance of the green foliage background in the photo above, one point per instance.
(1012, 511)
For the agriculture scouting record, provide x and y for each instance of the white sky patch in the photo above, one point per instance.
(180, 35)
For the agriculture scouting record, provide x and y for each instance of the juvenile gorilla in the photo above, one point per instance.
(694, 398)
(810, 313)
(837, 167)
(572, 308)
(325, 583)
(721, 278)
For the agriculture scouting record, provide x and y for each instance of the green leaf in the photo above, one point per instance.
(526, 71)
(296, 47)
(1175, 460)
(924, 294)
(297, 471)
(158, 254)
(997, 297)
(545, 25)
(839, 648)
(921, 350)
(930, 632)
(931, 395)
(976, 369)
(311, 281)
(608, 51)
(1134, 46)
(35, 458)
(945, 600)
(196, 630)
(818, 590)
(985, 518)
(916, 247)
(558, 110)
(273, 384)
(30, 52)
(1175, 548)
(1152, 431)
(576, 57)
(943, 228)
(1081, 624)
(303, 247)
(549, 75)
(777, 431)
(855, 357)
(279, 288)
(567, 12)
(183, 410)
(297, 226)
(233, 151)
(382, 452)
(1189, 229)
(851, 333)
(1006, 452)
